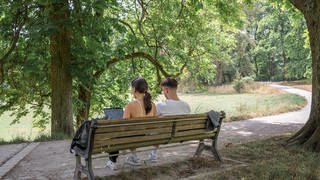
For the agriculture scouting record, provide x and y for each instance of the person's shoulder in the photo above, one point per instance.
(185, 103)
(161, 103)
(131, 104)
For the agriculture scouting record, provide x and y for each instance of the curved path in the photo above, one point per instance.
(262, 127)
(52, 160)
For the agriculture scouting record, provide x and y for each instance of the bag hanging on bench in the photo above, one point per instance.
(81, 136)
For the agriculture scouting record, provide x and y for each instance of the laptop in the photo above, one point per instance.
(113, 113)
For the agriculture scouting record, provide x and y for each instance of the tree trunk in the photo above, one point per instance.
(84, 95)
(219, 73)
(256, 71)
(284, 57)
(309, 135)
(61, 81)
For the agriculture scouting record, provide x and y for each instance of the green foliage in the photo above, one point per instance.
(239, 85)
(243, 36)
(271, 45)
(247, 79)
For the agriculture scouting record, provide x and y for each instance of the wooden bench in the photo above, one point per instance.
(116, 135)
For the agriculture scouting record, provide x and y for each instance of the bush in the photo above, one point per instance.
(247, 79)
(239, 85)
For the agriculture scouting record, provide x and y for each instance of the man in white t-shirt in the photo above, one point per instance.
(171, 106)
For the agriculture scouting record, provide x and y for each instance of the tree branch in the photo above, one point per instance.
(181, 70)
(128, 25)
(15, 38)
(154, 61)
(144, 55)
(16, 35)
(302, 5)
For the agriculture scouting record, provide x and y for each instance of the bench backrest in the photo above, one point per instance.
(122, 134)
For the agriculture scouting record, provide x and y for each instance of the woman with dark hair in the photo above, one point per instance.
(142, 106)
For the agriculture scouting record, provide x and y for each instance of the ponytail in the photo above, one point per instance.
(147, 102)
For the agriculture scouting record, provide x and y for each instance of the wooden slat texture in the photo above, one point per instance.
(99, 149)
(123, 134)
(131, 139)
(191, 132)
(194, 126)
(106, 136)
(149, 119)
(181, 123)
(132, 127)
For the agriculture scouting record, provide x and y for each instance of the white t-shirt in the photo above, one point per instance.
(172, 107)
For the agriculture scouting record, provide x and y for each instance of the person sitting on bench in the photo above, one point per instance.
(141, 107)
(171, 106)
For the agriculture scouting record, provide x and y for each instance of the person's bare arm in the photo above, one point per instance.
(155, 113)
(126, 113)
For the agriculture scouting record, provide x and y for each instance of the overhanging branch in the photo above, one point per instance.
(144, 55)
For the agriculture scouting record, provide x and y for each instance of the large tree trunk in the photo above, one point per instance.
(84, 96)
(61, 81)
(309, 135)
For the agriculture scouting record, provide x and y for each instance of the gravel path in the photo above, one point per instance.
(52, 160)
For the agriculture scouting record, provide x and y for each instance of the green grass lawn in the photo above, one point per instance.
(236, 106)
(243, 106)
(18, 131)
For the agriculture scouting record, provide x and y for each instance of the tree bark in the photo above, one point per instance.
(61, 80)
(219, 73)
(309, 135)
(84, 96)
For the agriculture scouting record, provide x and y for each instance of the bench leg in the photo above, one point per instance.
(89, 168)
(77, 172)
(214, 150)
(200, 148)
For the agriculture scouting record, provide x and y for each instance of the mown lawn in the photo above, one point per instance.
(19, 131)
(260, 102)
(243, 106)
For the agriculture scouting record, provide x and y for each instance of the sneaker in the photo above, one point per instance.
(112, 165)
(133, 160)
(153, 156)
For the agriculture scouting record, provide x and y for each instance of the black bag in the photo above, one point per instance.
(81, 137)
(213, 120)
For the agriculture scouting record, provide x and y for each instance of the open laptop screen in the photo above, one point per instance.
(113, 113)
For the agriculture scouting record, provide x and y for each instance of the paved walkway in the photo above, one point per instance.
(52, 160)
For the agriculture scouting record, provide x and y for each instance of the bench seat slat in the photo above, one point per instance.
(107, 149)
(150, 119)
(132, 127)
(193, 132)
(99, 149)
(193, 126)
(132, 139)
(200, 121)
(106, 136)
